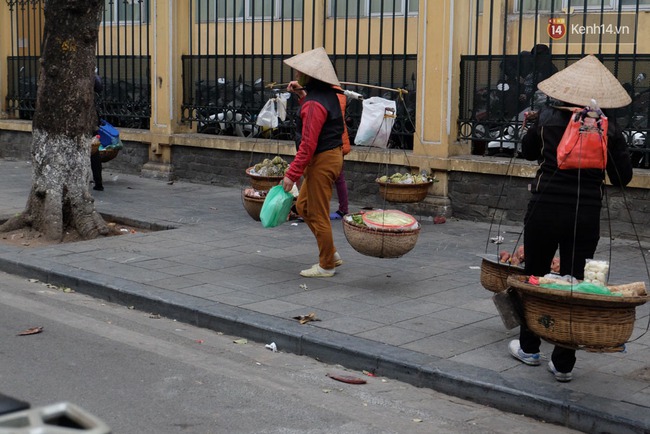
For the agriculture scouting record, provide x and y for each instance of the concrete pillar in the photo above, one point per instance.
(444, 37)
(170, 33)
(5, 51)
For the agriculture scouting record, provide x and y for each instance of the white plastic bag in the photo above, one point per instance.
(268, 116)
(377, 119)
(281, 105)
(273, 109)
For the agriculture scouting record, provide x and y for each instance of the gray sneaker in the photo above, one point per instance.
(563, 377)
(531, 359)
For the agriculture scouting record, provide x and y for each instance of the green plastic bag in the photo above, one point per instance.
(276, 207)
(584, 287)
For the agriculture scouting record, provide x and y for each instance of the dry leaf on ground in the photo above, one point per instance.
(306, 318)
(31, 331)
(347, 379)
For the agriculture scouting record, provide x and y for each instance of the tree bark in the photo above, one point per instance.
(64, 125)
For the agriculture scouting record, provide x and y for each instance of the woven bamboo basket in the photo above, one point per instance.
(494, 274)
(263, 183)
(379, 243)
(598, 323)
(253, 206)
(403, 193)
(107, 155)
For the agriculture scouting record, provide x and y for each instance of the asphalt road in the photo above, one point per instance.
(140, 373)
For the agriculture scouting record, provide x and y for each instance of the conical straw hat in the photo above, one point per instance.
(583, 81)
(315, 63)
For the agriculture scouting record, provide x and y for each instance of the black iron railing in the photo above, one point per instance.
(122, 61)
(223, 92)
(499, 79)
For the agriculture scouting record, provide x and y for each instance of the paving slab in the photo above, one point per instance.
(423, 318)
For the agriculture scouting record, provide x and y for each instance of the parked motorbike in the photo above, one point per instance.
(499, 118)
(634, 119)
(233, 109)
(27, 89)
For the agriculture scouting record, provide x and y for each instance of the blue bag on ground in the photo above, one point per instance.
(276, 207)
(108, 135)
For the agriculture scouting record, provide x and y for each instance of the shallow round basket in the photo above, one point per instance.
(379, 243)
(253, 206)
(263, 183)
(107, 155)
(404, 193)
(494, 274)
(598, 323)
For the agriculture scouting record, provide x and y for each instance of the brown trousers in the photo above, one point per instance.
(313, 203)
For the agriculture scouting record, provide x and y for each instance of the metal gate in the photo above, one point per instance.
(515, 44)
(237, 49)
(122, 61)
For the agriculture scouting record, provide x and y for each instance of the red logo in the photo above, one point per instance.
(556, 28)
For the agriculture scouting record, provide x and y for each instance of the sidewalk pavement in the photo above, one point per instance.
(423, 318)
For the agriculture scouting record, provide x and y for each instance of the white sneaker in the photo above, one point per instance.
(563, 377)
(531, 359)
(337, 259)
(318, 271)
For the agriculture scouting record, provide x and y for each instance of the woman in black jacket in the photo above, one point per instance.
(564, 210)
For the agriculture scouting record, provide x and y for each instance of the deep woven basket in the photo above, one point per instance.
(379, 243)
(590, 322)
(404, 193)
(263, 183)
(253, 206)
(494, 274)
(107, 155)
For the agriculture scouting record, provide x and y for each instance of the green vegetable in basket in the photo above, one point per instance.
(275, 167)
(358, 219)
(584, 287)
(408, 178)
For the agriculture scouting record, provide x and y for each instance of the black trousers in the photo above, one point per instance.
(576, 234)
(96, 167)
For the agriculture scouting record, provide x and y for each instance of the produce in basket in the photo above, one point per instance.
(275, 167)
(634, 289)
(390, 219)
(517, 258)
(407, 178)
(257, 194)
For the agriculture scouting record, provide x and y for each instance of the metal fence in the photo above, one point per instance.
(22, 66)
(237, 51)
(499, 80)
(236, 48)
(123, 61)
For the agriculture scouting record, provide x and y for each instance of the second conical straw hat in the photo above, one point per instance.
(583, 81)
(315, 63)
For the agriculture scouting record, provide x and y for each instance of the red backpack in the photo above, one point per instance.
(584, 143)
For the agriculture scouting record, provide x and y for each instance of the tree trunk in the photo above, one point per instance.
(64, 124)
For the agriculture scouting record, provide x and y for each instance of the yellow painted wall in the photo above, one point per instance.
(244, 38)
(237, 38)
(533, 30)
(575, 43)
(366, 36)
(432, 134)
(127, 38)
(5, 51)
